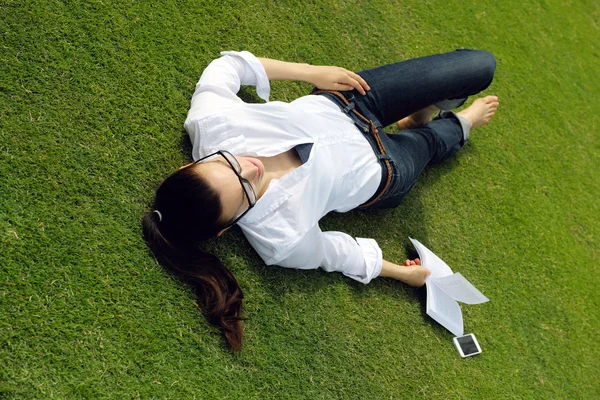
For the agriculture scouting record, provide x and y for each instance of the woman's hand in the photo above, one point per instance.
(337, 78)
(408, 263)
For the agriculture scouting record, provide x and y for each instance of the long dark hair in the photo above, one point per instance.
(188, 213)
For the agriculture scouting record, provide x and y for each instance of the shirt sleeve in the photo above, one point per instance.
(216, 91)
(359, 258)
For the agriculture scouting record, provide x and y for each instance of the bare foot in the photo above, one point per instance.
(418, 118)
(481, 111)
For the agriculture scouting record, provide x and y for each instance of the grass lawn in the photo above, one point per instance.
(92, 102)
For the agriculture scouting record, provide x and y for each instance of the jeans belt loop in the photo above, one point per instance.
(348, 108)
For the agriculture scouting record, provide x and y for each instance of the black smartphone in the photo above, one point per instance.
(467, 345)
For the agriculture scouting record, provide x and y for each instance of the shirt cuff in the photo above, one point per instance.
(373, 259)
(263, 87)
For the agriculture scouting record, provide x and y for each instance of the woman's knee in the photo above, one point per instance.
(487, 63)
(484, 61)
(482, 66)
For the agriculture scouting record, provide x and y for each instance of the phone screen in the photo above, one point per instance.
(467, 345)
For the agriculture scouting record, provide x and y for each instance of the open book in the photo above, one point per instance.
(444, 289)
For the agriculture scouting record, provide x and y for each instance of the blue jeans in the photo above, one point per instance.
(400, 89)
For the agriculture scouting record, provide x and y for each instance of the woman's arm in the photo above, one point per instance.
(217, 88)
(411, 273)
(323, 77)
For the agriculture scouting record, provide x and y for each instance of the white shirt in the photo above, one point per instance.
(342, 171)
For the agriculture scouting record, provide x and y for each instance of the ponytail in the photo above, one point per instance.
(189, 212)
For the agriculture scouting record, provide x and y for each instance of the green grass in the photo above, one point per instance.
(92, 101)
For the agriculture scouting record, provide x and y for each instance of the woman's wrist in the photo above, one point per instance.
(301, 72)
(391, 270)
(308, 73)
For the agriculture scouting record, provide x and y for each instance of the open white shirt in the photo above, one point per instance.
(342, 171)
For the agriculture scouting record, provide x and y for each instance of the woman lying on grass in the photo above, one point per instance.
(276, 169)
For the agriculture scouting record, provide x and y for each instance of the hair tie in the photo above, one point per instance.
(159, 215)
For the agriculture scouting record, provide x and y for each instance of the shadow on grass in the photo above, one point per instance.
(186, 144)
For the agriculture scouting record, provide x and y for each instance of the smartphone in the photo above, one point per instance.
(467, 345)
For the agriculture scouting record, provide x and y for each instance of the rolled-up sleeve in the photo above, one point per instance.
(216, 91)
(359, 258)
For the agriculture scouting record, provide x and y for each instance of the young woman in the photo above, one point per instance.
(275, 169)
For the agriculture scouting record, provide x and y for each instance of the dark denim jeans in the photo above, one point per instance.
(400, 89)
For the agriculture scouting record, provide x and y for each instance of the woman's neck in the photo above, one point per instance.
(277, 166)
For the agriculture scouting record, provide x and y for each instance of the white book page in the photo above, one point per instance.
(444, 310)
(460, 289)
(436, 265)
